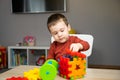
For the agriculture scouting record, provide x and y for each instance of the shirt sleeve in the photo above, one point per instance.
(51, 52)
(84, 43)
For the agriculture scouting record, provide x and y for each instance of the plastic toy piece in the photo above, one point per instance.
(17, 78)
(32, 74)
(77, 54)
(78, 68)
(48, 70)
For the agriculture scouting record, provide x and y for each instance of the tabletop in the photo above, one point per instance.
(92, 74)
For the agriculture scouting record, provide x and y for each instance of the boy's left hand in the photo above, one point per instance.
(76, 47)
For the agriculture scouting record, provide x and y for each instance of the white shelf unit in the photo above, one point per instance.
(25, 55)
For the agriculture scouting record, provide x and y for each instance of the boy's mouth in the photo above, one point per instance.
(61, 38)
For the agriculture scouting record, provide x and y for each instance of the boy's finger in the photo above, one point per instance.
(71, 48)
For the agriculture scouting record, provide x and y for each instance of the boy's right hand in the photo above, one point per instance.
(76, 47)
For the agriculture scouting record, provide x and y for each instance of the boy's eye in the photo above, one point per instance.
(62, 30)
(55, 33)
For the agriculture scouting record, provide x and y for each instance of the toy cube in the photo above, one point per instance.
(72, 65)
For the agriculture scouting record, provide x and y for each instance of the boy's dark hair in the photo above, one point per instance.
(54, 18)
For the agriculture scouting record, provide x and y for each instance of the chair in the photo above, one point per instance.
(87, 37)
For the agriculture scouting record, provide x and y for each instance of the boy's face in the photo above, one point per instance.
(60, 31)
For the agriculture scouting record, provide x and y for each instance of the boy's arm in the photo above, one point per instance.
(51, 52)
(85, 45)
(79, 45)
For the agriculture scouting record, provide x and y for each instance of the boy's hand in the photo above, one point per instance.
(76, 47)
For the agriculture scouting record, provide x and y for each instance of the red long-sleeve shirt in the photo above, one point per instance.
(58, 49)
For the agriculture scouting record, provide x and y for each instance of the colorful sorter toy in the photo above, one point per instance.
(72, 65)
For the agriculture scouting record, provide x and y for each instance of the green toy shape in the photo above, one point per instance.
(48, 70)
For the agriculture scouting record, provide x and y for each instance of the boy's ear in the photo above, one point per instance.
(69, 27)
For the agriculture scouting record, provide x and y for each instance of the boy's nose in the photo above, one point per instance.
(59, 34)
